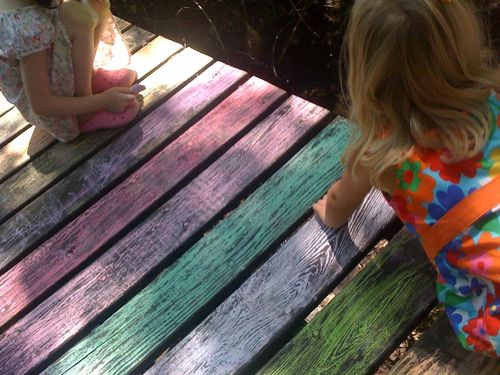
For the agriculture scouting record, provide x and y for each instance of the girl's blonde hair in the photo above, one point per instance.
(415, 69)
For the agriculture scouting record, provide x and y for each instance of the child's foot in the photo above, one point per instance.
(103, 79)
(109, 120)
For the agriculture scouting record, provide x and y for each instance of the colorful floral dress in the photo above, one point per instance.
(32, 29)
(468, 268)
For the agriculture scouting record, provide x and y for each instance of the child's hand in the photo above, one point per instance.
(342, 199)
(320, 209)
(116, 99)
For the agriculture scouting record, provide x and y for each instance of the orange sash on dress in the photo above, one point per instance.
(461, 217)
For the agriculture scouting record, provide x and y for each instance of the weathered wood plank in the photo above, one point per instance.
(277, 295)
(14, 124)
(29, 144)
(63, 252)
(136, 38)
(22, 149)
(122, 24)
(83, 184)
(54, 164)
(154, 54)
(181, 292)
(367, 319)
(98, 286)
(438, 352)
(5, 106)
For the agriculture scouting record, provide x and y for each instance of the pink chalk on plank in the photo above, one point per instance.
(79, 239)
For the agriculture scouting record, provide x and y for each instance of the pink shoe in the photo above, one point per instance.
(103, 79)
(109, 120)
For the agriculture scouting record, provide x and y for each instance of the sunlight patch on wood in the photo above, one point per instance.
(4, 105)
(16, 152)
(22, 148)
(174, 72)
(153, 54)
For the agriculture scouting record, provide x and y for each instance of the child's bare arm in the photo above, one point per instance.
(43, 103)
(79, 12)
(343, 197)
(103, 10)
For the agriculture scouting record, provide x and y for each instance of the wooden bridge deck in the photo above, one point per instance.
(185, 243)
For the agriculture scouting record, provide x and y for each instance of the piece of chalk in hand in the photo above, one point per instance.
(137, 88)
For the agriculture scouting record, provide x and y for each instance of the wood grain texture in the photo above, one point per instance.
(438, 352)
(136, 38)
(184, 288)
(23, 148)
(63, 252)
(98, 286)
(5, 106)
(49, 209)
(278, 294)
(122, 24)
(13, 125)
(29, 144)
(36, 177)
(367, 319)
(156, 53)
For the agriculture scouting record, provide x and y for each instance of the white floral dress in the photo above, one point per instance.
(32, 29)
